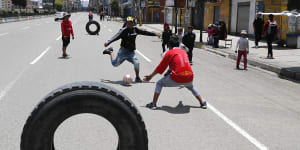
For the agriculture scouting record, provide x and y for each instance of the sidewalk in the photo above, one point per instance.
(24, 18)
(286, 62)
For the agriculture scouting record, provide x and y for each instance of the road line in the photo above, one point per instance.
(2, 34)
(24, 28)
(237, 128)
(11, 84)
(143, 55)
(109, 30)
(59, 37)
(39, 57)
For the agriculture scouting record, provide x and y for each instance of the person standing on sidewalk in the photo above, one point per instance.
(128, 46)
(189, 40)
(258, 24)
(210, 32)
(270, 32)
(242, 48)
(166, 36)
(66, 30)
(216, 33)
(179, 74)
(223, 31)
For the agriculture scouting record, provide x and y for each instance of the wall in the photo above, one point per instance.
(223, 15)
(234, 15)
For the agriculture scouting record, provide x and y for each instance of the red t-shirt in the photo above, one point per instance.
(178, 62)
(66, 28)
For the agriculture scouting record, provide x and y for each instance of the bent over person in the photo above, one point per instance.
(179, 74)
(126, 52)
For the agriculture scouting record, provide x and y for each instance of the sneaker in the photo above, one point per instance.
(108, 51)
(151, 105)
(138, 79)
(237, 68)
(203, 105)
(256, 46)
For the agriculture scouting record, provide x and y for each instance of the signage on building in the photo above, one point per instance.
(259, 6)
(170, 3)
(153, 3)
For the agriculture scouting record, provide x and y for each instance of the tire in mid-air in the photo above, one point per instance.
(84, 97)
(88, 30)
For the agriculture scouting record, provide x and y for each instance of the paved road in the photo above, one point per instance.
(248, 110)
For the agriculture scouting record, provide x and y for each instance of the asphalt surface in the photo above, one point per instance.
(247, 110)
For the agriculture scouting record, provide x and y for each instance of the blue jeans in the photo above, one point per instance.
(168, 82)
(123, 55)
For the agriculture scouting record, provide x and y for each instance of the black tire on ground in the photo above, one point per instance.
(84, 97)
(87, 27)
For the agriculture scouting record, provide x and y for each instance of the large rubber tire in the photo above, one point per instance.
(84, 97)
(87, 27)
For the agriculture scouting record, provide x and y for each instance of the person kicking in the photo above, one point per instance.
(179, 74)
(126, 52)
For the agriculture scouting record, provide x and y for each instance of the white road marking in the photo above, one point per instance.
(39, 57)
(10, 85)
(24, 28)
(59, 37)
(143, 55)
(237, 128)
(109, 30)
(2, 34)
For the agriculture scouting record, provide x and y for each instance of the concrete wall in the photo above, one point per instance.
(234, 15)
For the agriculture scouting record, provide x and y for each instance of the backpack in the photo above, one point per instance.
(272, 29)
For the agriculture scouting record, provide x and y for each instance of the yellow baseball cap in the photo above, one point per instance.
(128, 19)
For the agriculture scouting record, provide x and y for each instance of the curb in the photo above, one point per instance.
(18, 19)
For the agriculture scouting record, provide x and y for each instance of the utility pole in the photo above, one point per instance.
(176, 11)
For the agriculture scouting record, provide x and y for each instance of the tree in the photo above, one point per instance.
(58, 5)
(20, 3)
(115, 7)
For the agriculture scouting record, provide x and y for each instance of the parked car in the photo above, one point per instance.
(59, 16)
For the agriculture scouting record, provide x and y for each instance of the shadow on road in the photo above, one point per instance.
(179, 109)
(116, 82)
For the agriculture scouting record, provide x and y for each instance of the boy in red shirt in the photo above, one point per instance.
(179, 74)
(67, 31)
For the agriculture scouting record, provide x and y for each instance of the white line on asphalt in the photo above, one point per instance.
(59, 37)
(109, 30)
(39, 57)
(2, 34)
(24, 28)
(10, 85)
(237, 128)
(143, 55)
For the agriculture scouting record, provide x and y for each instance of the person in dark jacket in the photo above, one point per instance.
(223, 31)
(216, 35)
(258, 24)
(126, 52)
(166, 36)
(188, 40)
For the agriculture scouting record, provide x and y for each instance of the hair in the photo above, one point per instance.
(174, 41)
(271, 16)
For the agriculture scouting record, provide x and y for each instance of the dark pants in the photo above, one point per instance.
(190, 54)
(270, 48)
(164, 46)
(216, 42)
(257, 38)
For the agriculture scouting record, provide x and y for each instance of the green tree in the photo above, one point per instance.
(115, 7)
(58, 5)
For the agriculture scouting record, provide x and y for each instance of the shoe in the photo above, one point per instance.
(245, 68)
(138, 79)
(237, 68)
(256, 46)
(65, 55)
(108, 51)
(151, 105)
(203, 105)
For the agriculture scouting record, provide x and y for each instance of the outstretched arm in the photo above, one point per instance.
(144, 32)
(115, 37)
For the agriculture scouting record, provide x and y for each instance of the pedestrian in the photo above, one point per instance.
(258, 24)
(179, 74)
(223, 31)
(270, 32)
(102, 15)
(189, 40)
(166, 36)
(128, 36)
(242, 48)
(90, 16)
(210, 32)
(179, 34)
(216, 35)
(66, 30)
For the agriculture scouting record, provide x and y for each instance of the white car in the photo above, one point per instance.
(59, 16)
